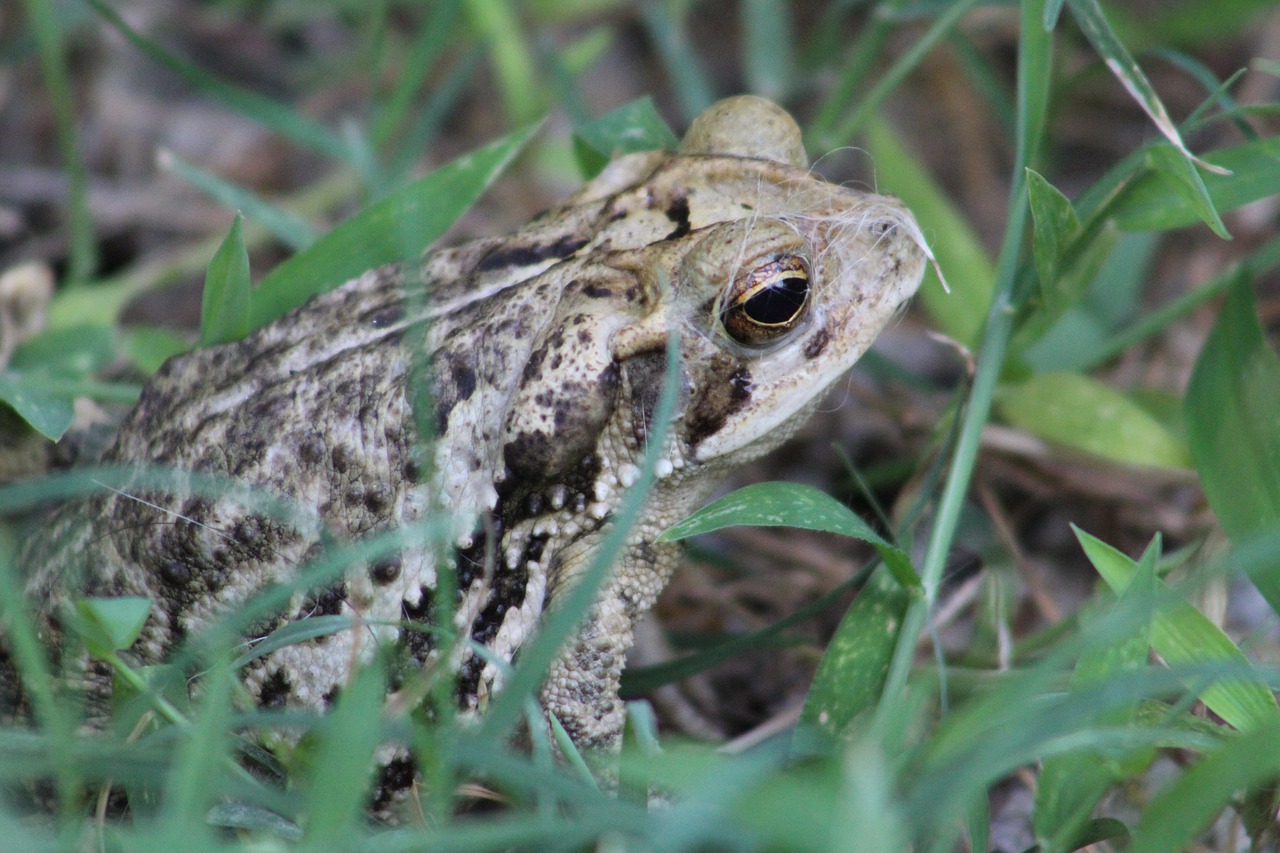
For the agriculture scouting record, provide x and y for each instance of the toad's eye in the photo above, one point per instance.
(764, 304)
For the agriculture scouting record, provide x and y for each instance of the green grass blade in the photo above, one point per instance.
(666, 25)
(43, 20)
(1072, 783)
(224, 306)
(791, 505)
(868, 811)
(855, 75)
(769, 63)
(496, 23)
(1073, 410)
(294, 231)
(437, 33)
(866, 109)
(338, 787)
(1093, 23)
(191, 788)
(965, 263)
(1184, 635)
(395, 228)
(281, 118)
(1034, 74)
(431, 117)
(650, 678)
(53, 714)
(1188, 804)
(1233, 418)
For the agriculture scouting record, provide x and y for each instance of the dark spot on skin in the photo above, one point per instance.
(310, 448)
(384, 570)
(267, 408)
(471, 561)
(423, 610)
(275, 691)
(725, 390)
(535, 547)
(469, 680)
(175, 573)
(247, 530)
(455, 382)
(817, 343)
(340, 459)
(596, 291)
(678, 213)
(418, 643)
(324, 602)
(377, 498)
(645, 374)
(503, 257)
(347, 389)
(396, 775)
(385, 316)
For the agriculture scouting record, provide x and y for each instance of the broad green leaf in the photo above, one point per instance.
(1185, 180)
(290, 229)
(1056, 226)
(224, 307)
(1183, 635)
(396, 228)
(70, 351)
(1071, 783)
(633, 127)
(1079, 412)
(45, 413)
(107, 625)
(970, 274)
(148, 347)
(1233, 419)
(1183, 808)
(1160, 199)
(1088, 332)
(851, 674)
(791, 505)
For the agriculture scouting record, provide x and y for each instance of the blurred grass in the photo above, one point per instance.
(894, 754)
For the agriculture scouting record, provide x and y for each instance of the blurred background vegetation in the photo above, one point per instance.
(1069, 382)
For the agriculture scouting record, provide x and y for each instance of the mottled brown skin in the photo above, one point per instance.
(544, 355)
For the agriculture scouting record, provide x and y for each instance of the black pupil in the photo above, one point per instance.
(778, 302)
